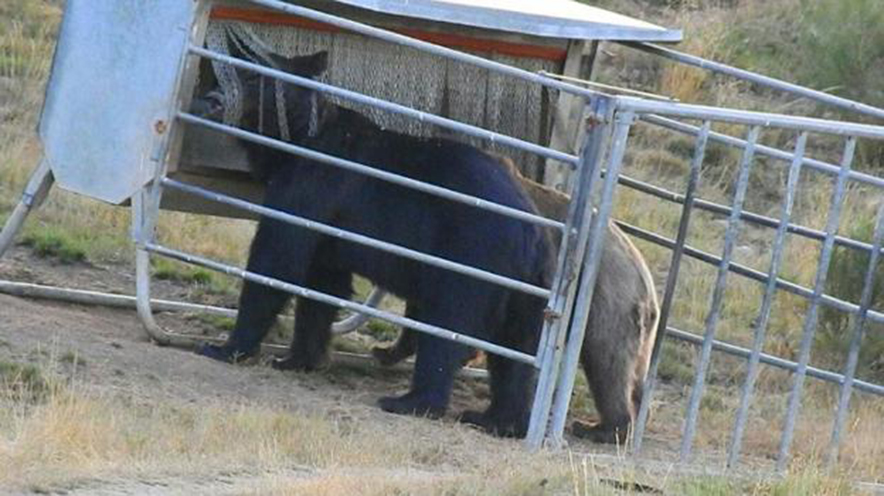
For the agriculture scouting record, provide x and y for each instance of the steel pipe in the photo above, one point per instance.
(335, 232)
(303, 292)
(745, 75)
(810, 321)
(419, 115)
(671, 282)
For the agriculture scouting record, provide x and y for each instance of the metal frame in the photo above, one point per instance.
(592, 193)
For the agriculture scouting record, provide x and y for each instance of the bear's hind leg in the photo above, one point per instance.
(610, 373)
(509, 412)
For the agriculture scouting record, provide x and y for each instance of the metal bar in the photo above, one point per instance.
(360, 98)
(774, 361)
(423, 46)
(572, 248)
(145, 209)
(374, 172)
(335, 232)
(856, 340)
(767, 151)
(671, 281)
(730, 236)
(588, 274)
(84, 297)
(303, 292)
(356, 320)
(609, 87)
(748, 118)
(33, 195)
(810, 320)
(748, 272)
(770, 82)
(718, 208)
(767, 302)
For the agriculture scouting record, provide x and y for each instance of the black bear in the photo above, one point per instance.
(620, 332)
(392, 213)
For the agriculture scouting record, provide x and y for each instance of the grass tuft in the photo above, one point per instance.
(52, 243)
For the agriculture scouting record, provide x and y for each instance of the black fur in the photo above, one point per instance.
(399, 215)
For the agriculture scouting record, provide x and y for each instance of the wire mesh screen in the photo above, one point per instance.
(419, 80)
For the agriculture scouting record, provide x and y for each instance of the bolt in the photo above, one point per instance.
(593, 120)
(550, 315)
(160, 126)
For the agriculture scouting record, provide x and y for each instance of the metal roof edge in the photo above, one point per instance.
(522, 23)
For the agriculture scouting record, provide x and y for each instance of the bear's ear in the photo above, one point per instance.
(307, 65)
(318, 63)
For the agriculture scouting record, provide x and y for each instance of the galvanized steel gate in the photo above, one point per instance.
(609, 122)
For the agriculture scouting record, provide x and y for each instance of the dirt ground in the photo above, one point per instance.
(113, 355)
(117, 353)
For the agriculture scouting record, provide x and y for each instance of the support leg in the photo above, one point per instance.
(145, 209)
(35, 192)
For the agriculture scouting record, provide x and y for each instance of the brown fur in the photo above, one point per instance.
(621, 330)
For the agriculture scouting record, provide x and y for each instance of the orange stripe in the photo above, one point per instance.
(448, 40)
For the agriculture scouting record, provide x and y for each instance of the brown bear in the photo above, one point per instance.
(621, 330)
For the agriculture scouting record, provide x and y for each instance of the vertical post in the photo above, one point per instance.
(566, 130)
(769, 292)
(811, 318)
(145, 210)
(35, 192)
(589, 270)
(671, 283)
(730, 236)
(146, 203)
(565, 285)
(859, 325)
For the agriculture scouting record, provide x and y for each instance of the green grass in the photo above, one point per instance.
(676, 362)
(23, 381)
(224, 324)
(51, 242)
(381, 330)
(171, 270)
(846, 279)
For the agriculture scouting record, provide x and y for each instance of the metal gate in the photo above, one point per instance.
(154, 135)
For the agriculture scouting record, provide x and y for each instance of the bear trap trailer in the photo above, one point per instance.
(156, 154)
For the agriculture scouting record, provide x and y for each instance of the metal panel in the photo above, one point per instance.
(550, 18)
(111, 94)
(671, 281)
(730, 237)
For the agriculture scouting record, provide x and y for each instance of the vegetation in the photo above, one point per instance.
(55, 436)
(849, 268)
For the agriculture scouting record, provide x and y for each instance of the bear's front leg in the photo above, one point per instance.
(313, 319)
(259, 306)
(437, 362)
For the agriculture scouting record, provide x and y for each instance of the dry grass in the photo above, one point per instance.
(75, 434)
(690, 84)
